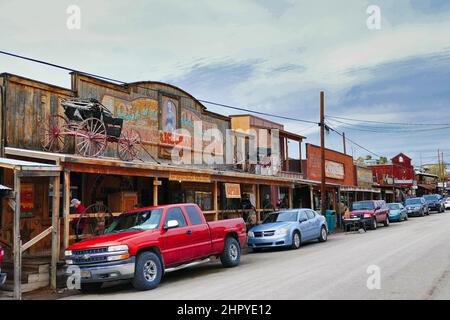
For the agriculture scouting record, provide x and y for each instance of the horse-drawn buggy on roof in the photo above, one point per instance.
(93, 126)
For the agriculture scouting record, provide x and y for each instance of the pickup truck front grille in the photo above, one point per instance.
(86, 256)
(81, 260)
(261, 234)
(89, 251)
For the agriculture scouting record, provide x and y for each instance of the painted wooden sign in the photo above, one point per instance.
(233, 190)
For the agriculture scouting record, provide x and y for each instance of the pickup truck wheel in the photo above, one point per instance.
(374, 224)
(296, 240)
(323, 234)
(90, 287)
(386, 222)
(231, 255)
(148, 272)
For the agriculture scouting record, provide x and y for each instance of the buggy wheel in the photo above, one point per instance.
(128, 144)
(52, 133)
(90, 138)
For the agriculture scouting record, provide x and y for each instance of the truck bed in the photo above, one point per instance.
(220, 228)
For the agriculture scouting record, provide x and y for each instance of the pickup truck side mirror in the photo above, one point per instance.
(171, 224)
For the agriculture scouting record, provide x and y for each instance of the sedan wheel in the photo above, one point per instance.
(296, 241)
(323, 234)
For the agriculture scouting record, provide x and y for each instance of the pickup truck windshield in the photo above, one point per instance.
(365, 205)
(282, 216)
(413, 201)
(142, 220)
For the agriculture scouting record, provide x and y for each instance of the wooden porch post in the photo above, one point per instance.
(66, 208)
(287, 154)
(156, 183)
(55, 231)
(216, 200)
(311, 196)
(17, 241)
(257, 203)
(291, 197)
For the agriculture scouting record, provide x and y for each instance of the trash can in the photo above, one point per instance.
(330, 216)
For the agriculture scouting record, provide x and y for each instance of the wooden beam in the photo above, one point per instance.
(66, 210)
(291, 197)
(55, 231)
(258, 203)
(36, 239)
(155, 191)
(17, 241)
(311, 195)
(216, 200)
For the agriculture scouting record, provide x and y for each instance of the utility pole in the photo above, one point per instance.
(344, 142)
(322, 147)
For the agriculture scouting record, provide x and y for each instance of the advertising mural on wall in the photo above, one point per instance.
(339, 167)
(334, 170)
(26, 200)
(139, 113)
(169, 114)
(364, 177)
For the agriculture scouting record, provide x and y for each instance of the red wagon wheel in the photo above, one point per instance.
(52, 133)
(128, 144)
(90, 138)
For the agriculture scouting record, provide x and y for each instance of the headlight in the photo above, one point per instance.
(68, 253)
(367, 215)
(118, 248)
(281, 232)
(69, 261)
(251, 234)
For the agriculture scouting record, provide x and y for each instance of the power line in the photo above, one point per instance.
(378, 129)
(355, 143)
(146, 88)
(391, 123)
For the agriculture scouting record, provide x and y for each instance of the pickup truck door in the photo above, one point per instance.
(201, 235)
(176, 243)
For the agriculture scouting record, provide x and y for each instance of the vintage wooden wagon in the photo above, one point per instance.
(92, 126)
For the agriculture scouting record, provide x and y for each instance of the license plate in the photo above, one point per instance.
(85, 274)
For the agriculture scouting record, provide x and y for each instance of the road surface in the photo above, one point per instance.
(412, 257)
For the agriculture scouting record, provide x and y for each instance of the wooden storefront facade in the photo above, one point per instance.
(153, 109)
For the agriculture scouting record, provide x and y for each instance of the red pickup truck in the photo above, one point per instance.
(370, 213)
(143, 244)
(2, 275)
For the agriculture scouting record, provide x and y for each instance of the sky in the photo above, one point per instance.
(273, 56)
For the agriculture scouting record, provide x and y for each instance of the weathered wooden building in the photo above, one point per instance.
(107, 185)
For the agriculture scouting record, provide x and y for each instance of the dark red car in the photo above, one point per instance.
(144, 244)
(370, 213)
(2, 275)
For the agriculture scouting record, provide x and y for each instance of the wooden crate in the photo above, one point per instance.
(122, 201)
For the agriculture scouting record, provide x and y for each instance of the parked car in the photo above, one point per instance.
(2, 275)
(397, 212)
(435, 202)
(370, 212)
(416, 207)
(288, 228)
(144, 244)
(447, 203)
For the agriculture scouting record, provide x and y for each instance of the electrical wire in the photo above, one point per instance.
(146, 88)
(390, 123)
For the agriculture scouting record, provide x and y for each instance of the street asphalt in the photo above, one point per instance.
(412, 257)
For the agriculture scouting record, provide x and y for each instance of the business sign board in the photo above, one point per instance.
(233, 190)
(334, 170)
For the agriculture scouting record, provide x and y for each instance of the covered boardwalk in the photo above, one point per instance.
(13, 172)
